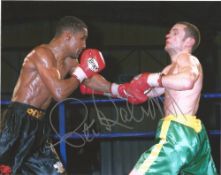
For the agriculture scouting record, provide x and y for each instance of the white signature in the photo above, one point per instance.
(123, 117)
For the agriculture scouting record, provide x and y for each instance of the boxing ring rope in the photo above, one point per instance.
(205, 95)
(62, 124)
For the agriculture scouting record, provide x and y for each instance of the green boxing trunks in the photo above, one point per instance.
(181, 147)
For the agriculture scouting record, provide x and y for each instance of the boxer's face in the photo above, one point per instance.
(175, 38)
(78, 42)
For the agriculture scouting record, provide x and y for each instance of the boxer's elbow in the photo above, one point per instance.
(58, 98)
(58, 95)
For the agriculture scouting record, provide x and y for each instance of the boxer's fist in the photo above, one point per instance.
(5, 169)
(139, 83)
(121, 91)
(91, 62)
(147, 80)
(142, 83)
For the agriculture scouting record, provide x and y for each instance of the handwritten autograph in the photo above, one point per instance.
(123, 117)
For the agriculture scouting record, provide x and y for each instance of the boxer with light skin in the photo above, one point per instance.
(181, 144)
(176, 149)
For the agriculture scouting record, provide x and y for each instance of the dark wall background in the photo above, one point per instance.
(113, 26)
(131, 37)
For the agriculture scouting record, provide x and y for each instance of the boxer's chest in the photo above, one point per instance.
(173, 69)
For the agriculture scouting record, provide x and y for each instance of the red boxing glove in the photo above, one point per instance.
(91, 62)
(121, 91)
(142, 83)
(5, 170)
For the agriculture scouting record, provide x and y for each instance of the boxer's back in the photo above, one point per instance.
(30, 88)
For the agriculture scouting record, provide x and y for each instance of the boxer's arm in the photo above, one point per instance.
(155, 92)
(98, 83)
(184, 79)
(100, 86)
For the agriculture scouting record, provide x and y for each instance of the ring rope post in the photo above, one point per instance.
(62, 131)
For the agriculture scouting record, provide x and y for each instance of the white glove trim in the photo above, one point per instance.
(153, 79)
(114, 89)
(79, 73)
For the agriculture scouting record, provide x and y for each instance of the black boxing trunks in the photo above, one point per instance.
(24, 143)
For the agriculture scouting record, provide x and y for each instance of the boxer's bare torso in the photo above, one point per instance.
(183, 85)
(30, 87)
(43, 77)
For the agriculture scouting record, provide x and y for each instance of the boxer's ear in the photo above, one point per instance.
(189, 42)
(68, 35)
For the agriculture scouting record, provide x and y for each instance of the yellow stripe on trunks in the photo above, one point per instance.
(157, 148)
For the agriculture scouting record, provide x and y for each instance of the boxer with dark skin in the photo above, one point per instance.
(49, 72)
(24, 145)
(44, 69)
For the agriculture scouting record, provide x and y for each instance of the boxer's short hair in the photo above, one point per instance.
(70, 23)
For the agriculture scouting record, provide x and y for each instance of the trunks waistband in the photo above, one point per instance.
(188, 120)
(29, 109)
